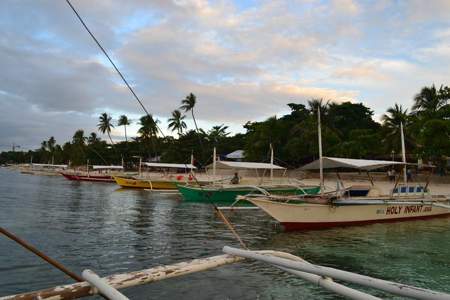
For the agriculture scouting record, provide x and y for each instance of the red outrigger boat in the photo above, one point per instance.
(95, 176)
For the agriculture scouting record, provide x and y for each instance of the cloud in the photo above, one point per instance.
(244, 62)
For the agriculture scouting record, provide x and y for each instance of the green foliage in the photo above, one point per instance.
(348, 130)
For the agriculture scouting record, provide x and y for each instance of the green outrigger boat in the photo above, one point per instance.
(226, 194)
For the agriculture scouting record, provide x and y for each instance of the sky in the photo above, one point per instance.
(244, 60)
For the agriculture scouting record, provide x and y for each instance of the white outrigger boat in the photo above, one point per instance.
(405, 201)
(339, 208)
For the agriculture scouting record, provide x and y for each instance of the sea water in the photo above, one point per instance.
(109, 230)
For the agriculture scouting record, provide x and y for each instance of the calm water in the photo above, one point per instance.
(108, 230)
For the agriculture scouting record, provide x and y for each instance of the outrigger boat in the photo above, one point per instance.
(226, 193)
(161, 179)
(338, 208)
(97, 174)
(406, 201)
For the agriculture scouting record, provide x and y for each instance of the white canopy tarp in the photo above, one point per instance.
(245, 165)
(50, 166)
(238, 154)
(107, 167)
(168, 165)
(361, 164)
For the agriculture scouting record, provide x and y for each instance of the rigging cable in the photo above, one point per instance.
(112, 63)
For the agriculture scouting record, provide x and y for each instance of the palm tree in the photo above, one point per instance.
(218, 132)
(149, 127)
(176, 122)
(392, 119)
(429, 101)
(124, 121)
(394, 116)
(105, 125)
(93, 138)
(78, 138)
(188, 104)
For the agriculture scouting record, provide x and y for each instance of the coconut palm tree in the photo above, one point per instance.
(176, 122)
(105, 125)
(148, 130)
(394, 116)
(188, 104)
(149, 127)
(218, 132)
(430, 101)
(124, 121)
(392, 119)
(93, 138)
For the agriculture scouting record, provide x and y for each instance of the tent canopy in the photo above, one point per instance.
(361, 164)
(99, 167)
(168, 165)
(238, 154)
(245, 165)
(49, 166)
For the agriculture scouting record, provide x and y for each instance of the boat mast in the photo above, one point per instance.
(271, 162)
(214, 162)
(319, 132)
(140, 165)
(405, 178)
(192, 160)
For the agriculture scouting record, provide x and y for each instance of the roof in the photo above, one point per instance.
(107, 167)
(238, 154)
(245, 165)
(168, 165)
(362, 164)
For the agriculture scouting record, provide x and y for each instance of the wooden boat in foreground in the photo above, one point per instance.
(405, 202)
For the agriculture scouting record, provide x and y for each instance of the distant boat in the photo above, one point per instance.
(99, 173)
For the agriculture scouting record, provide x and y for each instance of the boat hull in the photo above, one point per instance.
(227, 196)
(145, 184)
(93, 178)
(306, 216)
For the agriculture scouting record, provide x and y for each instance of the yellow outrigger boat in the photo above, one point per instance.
(128, 182)
(159, 180)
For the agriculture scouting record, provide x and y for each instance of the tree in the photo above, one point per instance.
(392, 119)
(188, 104)
(124, 121)
(429, 102)
(148, 130)
(105, 125)
(93, 139)
(218, 132)
(176, 122)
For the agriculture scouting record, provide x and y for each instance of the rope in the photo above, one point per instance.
(112, 62)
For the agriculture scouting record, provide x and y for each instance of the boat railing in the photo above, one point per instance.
(316, 274)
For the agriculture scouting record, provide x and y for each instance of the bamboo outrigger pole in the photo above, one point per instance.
(48, 259)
